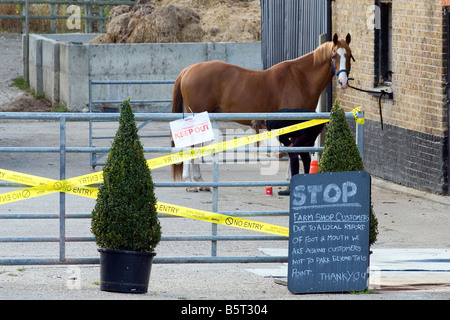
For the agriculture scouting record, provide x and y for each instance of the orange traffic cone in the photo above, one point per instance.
(314, 166)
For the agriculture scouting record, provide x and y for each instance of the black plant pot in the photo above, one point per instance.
(125, 271)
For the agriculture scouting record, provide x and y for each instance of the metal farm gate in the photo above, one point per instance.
(51, 121)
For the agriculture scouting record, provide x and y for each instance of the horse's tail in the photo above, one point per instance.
(177, 107)
(177, 97)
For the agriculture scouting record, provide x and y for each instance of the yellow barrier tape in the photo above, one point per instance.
(358, 120)
(22, 178)
(160, 206)
(221, 219)
(40, 187)
(226, 145)
(76, 185)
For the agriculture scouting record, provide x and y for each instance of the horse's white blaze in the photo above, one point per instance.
(343, 77)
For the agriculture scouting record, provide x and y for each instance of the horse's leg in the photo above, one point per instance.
(187, 174)
(198, 176)
(288, 173)
(286, 192)
(196, 173)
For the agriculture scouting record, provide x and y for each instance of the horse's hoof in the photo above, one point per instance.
(191, 189)
(206, 189)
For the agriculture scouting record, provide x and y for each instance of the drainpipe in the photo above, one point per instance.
(329, 31)
(446, 153)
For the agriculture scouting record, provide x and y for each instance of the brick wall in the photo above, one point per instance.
(415, 135)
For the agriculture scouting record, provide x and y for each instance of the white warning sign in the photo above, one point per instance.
(192, 130)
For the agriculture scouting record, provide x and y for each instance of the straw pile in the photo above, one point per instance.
(166, 21)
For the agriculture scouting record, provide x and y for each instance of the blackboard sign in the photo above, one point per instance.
(329, 232)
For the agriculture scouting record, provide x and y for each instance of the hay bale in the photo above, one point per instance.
(117, 29)
(100, 39)
(117, 11)
(163, 21)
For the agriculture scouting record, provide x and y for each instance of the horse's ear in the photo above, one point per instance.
(348, 38)
(335, 39)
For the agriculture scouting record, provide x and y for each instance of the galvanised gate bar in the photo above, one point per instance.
(63, 149)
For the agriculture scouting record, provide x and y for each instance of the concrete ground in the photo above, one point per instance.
(410, 259)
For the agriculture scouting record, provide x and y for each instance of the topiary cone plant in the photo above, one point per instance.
(341, 154)
(124, 219)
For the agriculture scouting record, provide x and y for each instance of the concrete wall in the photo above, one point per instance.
(62, 65)
(35, 63)
(44, 62)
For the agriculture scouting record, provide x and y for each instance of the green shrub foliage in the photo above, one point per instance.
(341, 154)
(125, 215)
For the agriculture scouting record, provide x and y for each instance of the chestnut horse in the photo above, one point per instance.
(217, 86)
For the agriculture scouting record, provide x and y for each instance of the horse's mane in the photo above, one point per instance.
(322, 53)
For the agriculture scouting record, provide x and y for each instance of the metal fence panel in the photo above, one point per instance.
(62, 217)
(87, 5)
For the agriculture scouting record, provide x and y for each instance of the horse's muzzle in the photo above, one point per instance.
(343, 85)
